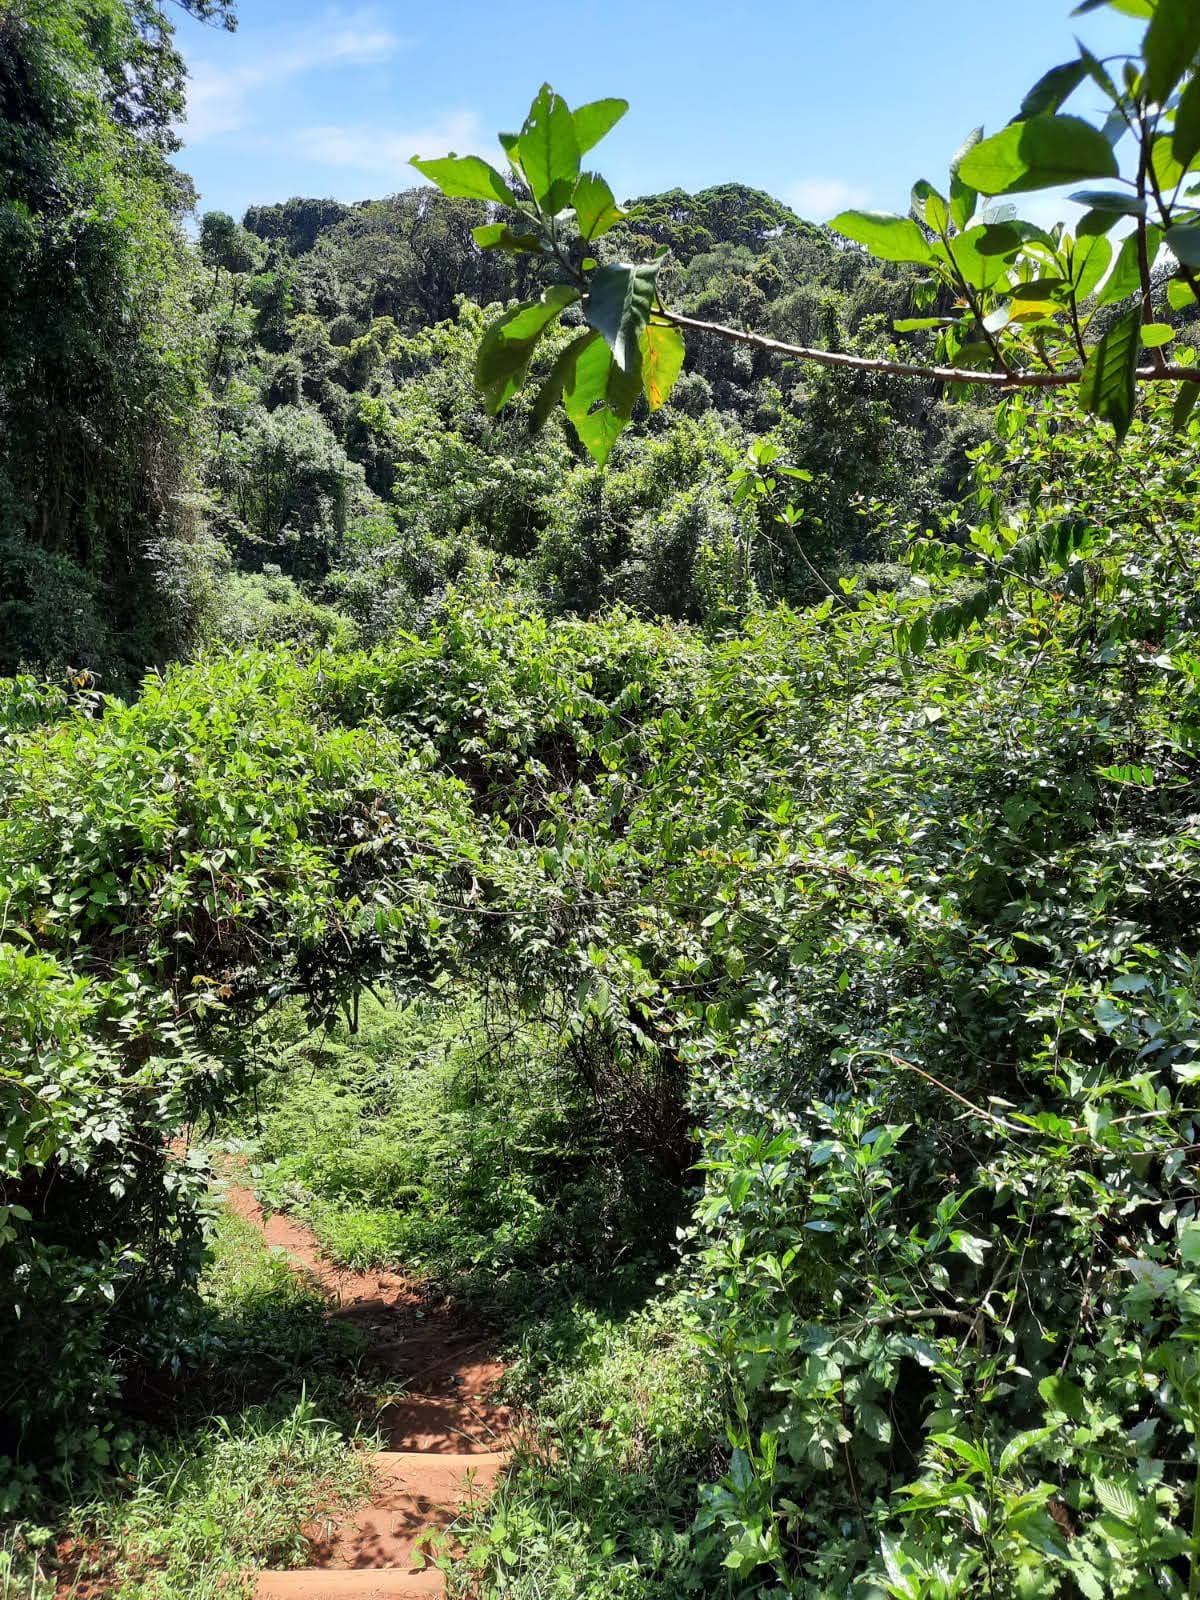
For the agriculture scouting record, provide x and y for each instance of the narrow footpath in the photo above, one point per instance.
(447, 1440)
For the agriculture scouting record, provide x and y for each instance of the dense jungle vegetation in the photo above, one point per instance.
(706, 872)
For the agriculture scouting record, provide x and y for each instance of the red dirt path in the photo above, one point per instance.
(447, 1441)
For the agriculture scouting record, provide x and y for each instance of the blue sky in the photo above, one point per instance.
(825, 103)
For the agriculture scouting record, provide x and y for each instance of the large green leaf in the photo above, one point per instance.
(887, 237)
(466, 178)
(984, 253)
(1064, 1396)
(1183, 241)
(1037, 154)
(594, 120)
(1187, 124)
(549, 151)
(930, 205)
(662, 361)
(1109, 385)
(594, 206)
(1170, 45)
(1166, 169)
(1091, 259)
(963, 198)
(507, 346)
(499, 236)
(618, 305)
(599, 397)
(551, 391)
(1126, 276)
(1052, 89)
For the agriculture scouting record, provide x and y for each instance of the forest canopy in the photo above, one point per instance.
(637, 759)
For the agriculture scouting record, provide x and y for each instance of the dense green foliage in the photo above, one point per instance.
(99, 373)
(803, 878)
(731, 914)
(351, 454)
(464, 1143)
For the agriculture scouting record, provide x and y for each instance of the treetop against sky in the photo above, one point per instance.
(825, 105)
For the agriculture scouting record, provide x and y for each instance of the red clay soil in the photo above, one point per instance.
(447, 1441)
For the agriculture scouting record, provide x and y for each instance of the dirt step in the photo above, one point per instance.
(313, 1584)
(414, 1495)
(433, 1425)
(442, 1478)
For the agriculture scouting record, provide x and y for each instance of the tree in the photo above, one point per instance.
(98, 367)
(1030, 305)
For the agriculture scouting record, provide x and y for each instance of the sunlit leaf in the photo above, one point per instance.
(466, 178)
(930, 206)
(1117, 1498)
(594, 120)
(1128, 8)
(1038, 154)
(663, 351)
(1091, 259)
(887, 237)
(1126, 278)
(1155, 334)
(984, 253)
(1165, 168)
(595, 207)
(550, 151)
(1021, 1444)
(599, 397)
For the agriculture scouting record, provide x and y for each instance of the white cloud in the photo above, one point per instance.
(220, 98)
(818, 199)
(386, 151)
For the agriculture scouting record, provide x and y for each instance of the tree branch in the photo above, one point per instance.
(1027, 379)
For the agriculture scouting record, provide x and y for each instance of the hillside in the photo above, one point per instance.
(599, 865)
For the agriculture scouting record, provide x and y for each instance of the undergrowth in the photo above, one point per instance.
(464, 1149)
(449, 1143)
(234, 1496)
(263, 1390)
(601, 1499)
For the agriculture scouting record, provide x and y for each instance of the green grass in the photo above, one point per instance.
(462, 1152)
(602, 1500)
(418, 1142)
(233, 1496)
(26, 1570)
(265, 1423)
